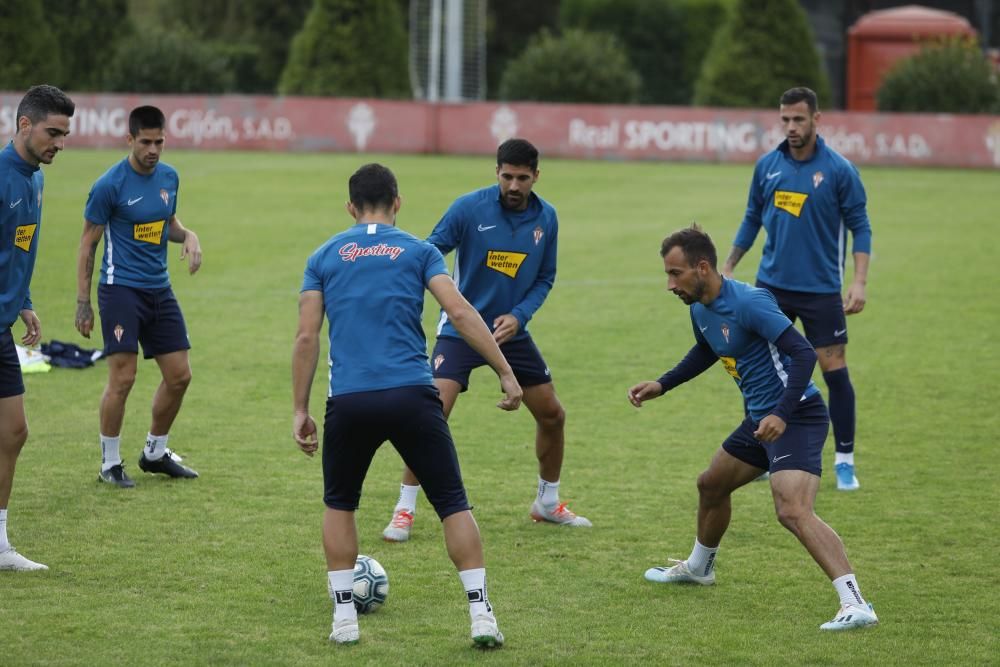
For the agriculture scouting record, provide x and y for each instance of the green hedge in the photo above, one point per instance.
(576, 67)
(947, 76)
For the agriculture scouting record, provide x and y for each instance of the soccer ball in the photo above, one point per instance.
(371, 584)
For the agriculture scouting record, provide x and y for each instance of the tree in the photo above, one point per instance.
(576, 67)
(764, 48)
(86, 32)
(510, 25)
(352, 48)
(28, 44)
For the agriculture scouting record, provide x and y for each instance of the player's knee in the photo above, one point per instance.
(179, 382)
(708, 486)
(553, 417)
(14, 438)
(791, 517)
(121, 383)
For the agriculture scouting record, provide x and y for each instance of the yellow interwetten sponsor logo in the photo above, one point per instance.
(23, 236)
(506, 262)
(730, 364)
(790, 201)
(149, 232)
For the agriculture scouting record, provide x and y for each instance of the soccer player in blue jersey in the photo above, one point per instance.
(806, 195)
(133, 207)
(369, 281)
(505, 240)
(42, 125)
(785, 426)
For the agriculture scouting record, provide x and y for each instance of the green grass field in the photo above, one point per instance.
(228, 569)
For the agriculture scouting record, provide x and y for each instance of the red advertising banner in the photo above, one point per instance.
(559, 130)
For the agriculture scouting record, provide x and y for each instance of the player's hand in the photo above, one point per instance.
(32, 328)
(855, 300)
(512, 399)
(644, 391)
(504, 328)
(191, 250)
(84, 318)
(770, 428)
(304, 432)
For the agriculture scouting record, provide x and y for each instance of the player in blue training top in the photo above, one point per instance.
(369, 281)
(505, 265)
(133, 207)
(784, 429)
(42, 125)
(806, 195)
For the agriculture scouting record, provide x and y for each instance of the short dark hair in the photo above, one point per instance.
(43, 100)
(373, 187)
(519, 153)
(694, 243)
(145, 118)
(801, 94)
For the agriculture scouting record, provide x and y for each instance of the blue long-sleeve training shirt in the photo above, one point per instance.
(21, 187)
(757, 344)
(505, 260)
(806, 208)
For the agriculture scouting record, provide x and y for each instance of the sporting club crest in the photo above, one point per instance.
(119, 332)
(817, 179)
(725, 331)
(538, 235)
(165, 196)
(438, 360)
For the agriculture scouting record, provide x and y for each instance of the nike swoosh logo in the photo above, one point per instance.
(483, 229)
(840, 332)
(13, 204)
(778, 458)
(774, 175)
(134, 201)
(703, 329)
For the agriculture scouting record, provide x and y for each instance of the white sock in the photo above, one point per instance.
(474, 582)
(702, 559)
(548, 492)
(4, 542)
(843, 457)
(110, 455)
(340, 583)
(156, 446)
(407, 498)
(848, 590)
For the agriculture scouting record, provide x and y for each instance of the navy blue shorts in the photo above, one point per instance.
(822, 315)
(454, 359)
(11, 383)
(412, 419)
(800, 447)
(130, 316)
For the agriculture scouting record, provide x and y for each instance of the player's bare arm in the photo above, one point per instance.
(85, 276)
(735, 255)
(470, 325)
(305, 355)
(854, 301)
(191, 248)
